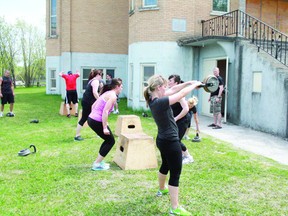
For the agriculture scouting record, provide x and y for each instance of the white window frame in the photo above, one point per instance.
(217, 12)
(51, 79)
(131, 6)
(51, 33)
(104, 72)
(144, 78)
(131, 82)
(144, 3)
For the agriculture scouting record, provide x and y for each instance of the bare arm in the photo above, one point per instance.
(61, 73)
(95, 87)
(105, 114)
(184, 110)
(221, 88)
(181, 94)
(177, 88)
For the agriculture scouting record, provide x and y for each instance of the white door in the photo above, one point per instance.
(208, 66)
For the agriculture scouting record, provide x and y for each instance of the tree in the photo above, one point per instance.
(8, 47)
(32, 44)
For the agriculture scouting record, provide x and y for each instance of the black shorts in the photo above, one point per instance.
(71, 96)
(7, 98)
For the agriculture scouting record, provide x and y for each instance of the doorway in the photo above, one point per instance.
(208, 66)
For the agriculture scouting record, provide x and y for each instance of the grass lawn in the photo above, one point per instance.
(58, 180)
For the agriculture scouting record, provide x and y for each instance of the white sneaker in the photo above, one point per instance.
(187, 159)
(1, 114)
(100, 166)
(116, 112)
(186, 137)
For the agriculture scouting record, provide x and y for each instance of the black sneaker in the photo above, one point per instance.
(10, 114)
(78, 138)
(76, 114)
(68, 116)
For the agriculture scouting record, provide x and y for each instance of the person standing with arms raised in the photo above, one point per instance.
(71, 91)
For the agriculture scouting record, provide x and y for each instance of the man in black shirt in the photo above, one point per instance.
(7, 93)
(215, 100)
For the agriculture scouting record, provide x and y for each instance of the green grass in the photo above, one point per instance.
(58, 180)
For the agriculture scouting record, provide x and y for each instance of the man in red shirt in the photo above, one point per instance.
(71, 92)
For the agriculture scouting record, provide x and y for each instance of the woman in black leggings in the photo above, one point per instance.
(159, 99)
(90, 95)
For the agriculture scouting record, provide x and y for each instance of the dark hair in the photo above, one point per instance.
(94, 73)
(114, 83)
(176, 78)
(108, 74)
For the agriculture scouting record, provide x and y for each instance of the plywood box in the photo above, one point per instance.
(127, 124)
(135, 152)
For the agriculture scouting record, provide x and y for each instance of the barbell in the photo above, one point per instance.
(210, 84)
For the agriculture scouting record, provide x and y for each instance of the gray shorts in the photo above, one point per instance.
(215, 107)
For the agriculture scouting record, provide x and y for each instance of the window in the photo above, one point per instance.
(52, 79)
(132, 6)
(87, 70)
(257, 81)
(147, 71)
(221, 5)
(149, 3)
(131, 82)
(53, 18)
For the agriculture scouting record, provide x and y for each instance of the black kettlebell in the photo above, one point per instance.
(27, 151)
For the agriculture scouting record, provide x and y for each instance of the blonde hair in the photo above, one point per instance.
(153, 82)
(193, 100)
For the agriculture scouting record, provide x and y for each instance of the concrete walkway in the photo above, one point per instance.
(247, 139)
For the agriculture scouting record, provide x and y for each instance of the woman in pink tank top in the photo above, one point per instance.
(98, 120)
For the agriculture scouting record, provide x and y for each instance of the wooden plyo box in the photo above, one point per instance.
(127, 124)
(135, 152)
(63, 110)
(80, 116)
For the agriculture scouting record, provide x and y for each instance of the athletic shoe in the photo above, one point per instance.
(10, 114)
(68, 116)
(212, 125)
(162, 192)
(76, 114)
(78, 138)
(1, 114)
(179, 211)
(217, 127)
(100, 166)
(186, 137)
(196, 139)
(116, 112)
(187, 159)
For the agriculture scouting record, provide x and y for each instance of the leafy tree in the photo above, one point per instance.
(9, 48)
(32, 45)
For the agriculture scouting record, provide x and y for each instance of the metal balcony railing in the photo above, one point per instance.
(240, 24)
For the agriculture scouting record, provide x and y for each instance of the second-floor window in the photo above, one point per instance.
(221, 5)
(53, 17)
(149, 3)
(132, 6)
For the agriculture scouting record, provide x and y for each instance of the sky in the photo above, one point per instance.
(31, 11)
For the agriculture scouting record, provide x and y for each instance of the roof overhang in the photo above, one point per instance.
(202, 41)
